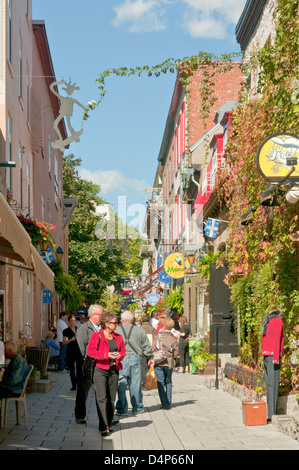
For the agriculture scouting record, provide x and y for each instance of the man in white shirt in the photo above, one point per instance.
(153, 320)
(61, 325)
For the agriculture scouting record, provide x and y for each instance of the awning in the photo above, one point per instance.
(152, 279)
(15, 244)
(13, 237)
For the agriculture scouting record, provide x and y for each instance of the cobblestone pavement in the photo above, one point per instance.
(200, 419)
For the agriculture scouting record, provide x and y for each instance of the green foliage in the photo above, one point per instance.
(66, 287)
(91, 262)
(175, 300)
(262, 257)
(185, 67)
(95, 263)
(202, 356)
(160, 307)
(205, 261)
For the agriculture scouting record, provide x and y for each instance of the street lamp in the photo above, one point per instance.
(59, 253)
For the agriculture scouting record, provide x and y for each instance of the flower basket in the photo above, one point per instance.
(39, 232)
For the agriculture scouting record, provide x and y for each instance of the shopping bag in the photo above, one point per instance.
(151, 382)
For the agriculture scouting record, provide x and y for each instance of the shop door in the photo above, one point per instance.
(222, 314)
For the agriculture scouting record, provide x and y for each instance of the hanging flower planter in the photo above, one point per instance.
(39, 232)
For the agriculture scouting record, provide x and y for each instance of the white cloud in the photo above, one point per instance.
(210, 19)
(113, 181)
(205, 26)
(228, 10)
(140, 16)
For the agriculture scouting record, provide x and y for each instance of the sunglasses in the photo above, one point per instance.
(113, 322)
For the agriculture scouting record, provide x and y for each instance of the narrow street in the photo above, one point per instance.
(200, 419)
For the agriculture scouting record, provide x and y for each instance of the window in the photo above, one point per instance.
(56, 178)
(21, 176)
(27, 94)
(28, 188)
(20, 69)
(43, 207)
(21, 299)
(50, 156)
(9, 31)
(28, 300)
(9, 152)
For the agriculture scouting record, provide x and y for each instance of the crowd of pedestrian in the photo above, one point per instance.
(120, 352)
(116, 355)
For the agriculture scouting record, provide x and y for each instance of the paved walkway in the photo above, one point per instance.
(200, 419)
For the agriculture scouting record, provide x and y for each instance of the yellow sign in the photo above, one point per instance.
(174, 265)
(277, 155)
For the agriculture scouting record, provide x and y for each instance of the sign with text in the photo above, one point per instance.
(47, 296)
(277, 156)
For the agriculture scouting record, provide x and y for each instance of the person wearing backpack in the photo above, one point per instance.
(137, 345)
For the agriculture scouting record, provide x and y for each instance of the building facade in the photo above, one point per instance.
(32, 187)
(190, 153)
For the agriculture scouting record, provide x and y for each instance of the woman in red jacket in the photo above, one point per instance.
(108, 354)
(272, 348)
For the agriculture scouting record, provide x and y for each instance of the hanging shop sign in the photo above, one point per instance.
(66, 110)
(153, 299)
(174, 265)
(278, 157)
(163, 277)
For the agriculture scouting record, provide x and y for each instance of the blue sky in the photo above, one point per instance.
(121, 139)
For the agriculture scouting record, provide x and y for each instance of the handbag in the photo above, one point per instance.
(89, 364)
(159, 355)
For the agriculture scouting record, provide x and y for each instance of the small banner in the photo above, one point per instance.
(48, 256)
(153, 299)
(211, 228)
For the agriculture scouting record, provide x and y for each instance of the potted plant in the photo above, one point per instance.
(204, 361)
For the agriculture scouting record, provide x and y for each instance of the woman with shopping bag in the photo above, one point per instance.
(166, 349)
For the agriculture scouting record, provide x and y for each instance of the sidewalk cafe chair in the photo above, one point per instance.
(18, 400)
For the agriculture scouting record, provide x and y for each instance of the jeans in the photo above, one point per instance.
(62, 357)
(130, 376)
(163, 375)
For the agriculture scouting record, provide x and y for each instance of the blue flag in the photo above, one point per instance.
(211, 228)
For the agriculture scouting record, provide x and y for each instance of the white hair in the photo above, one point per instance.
(127, 316)
(93, 309)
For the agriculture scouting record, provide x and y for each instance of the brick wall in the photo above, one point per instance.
(227, 87)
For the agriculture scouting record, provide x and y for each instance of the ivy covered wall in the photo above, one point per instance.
(263, 259)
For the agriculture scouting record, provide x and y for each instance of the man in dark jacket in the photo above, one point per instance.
(83, 335)
(15, 374)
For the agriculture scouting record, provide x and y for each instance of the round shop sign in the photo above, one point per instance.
(174, 265)
(277, 155)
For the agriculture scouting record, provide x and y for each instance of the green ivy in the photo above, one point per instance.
(263, 270)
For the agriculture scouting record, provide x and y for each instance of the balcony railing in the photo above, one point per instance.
(146, 248)
(153, 195)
